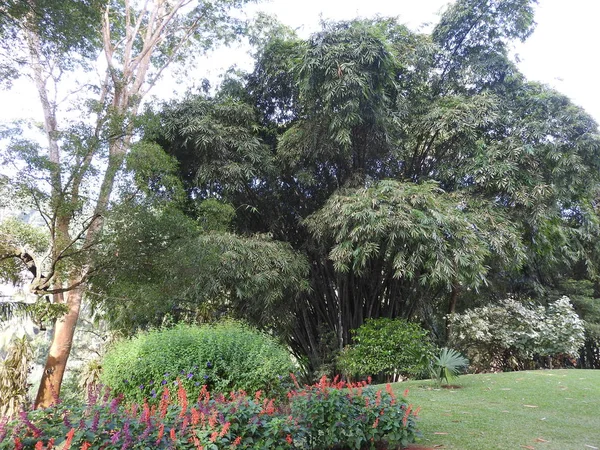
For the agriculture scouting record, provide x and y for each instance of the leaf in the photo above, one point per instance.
(541, 440)
(530, 406)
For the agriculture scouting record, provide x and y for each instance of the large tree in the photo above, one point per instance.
(70, 179)
(414, 171)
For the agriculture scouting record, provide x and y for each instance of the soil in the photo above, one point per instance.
(419, 447)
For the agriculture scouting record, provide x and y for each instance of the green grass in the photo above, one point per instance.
(546, 409)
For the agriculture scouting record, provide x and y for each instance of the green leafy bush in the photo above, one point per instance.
(326, 415)
(388, 348)
(504, 335)
(226, 356)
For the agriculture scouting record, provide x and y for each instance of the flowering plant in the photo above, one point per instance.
(324, 415)
(518, 329)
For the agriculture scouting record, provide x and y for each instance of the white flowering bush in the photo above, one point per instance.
(509, 333)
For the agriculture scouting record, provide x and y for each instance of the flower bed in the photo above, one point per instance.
(325, 415)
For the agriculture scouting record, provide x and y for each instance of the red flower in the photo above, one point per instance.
(237, 441)
(225, 429)
(85, 446)
(197, 444)
(161, 431)
(195, 416)
(376, 423)
(70, 435)
(289, 439)
(172, 433)
(39, 445)
(294, 380)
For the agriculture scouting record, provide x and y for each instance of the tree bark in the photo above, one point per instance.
(59, 352)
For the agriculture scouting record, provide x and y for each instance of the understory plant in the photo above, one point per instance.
(14, 369)
(447, 365)
(226, 357)
(326, 415)
(387, 349)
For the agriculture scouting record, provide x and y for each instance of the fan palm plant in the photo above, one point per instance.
(447, 365)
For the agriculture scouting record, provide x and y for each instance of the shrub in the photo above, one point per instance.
(352, 416)
(387, 347)
(312, 418)
(502, 335)
(225, 357)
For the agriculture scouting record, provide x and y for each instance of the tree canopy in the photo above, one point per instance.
(367, 171)
(417, 173)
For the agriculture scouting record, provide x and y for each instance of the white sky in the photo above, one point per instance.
(564, 50)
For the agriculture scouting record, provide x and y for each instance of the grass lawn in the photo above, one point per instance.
(546, 409)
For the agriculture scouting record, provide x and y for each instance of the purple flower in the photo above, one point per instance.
(206, 377)
(127, 433)
(115, 404)
(153, 392)
(163, 382)
(190, 375)
(141, 386)
(209, 364)
(197, 383)
(36, 431)
(3, 430)
(95, 421)
(66, 421)
(115, 437)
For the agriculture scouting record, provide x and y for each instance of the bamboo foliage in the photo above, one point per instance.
(14, 370)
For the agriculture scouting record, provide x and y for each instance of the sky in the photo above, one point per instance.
(563, 51)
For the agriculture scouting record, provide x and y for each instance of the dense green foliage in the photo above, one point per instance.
(372, 418)
(417, 174)
(368, 171)
(157, 262)
(387, 348)
(225, 356)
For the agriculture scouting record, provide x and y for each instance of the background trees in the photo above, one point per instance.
(71, 180)
(417, 173)
(367, 171)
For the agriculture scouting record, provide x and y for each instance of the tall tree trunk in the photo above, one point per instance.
(62, 341)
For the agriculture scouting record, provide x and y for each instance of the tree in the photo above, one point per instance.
(71, 180)
(417, 173)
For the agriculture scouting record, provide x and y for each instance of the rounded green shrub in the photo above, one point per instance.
(225, 356)
(387, 348)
